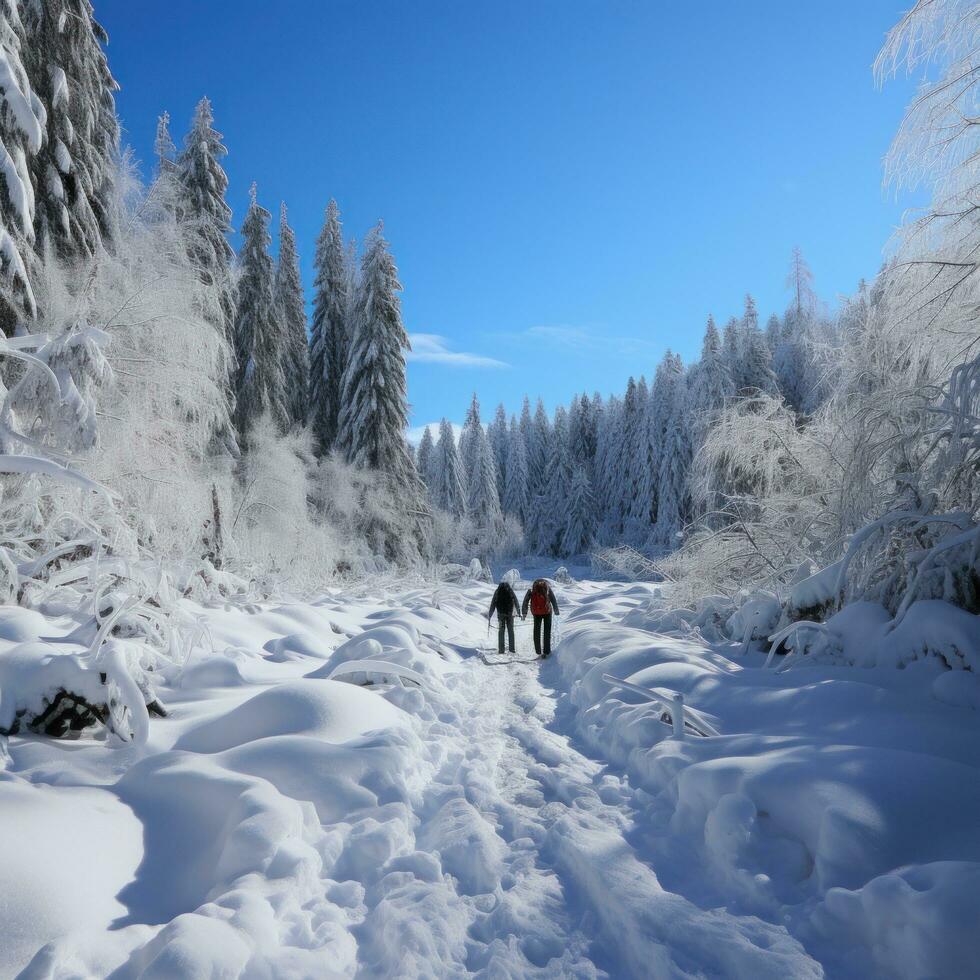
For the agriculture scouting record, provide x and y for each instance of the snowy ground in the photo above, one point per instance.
(515, 820)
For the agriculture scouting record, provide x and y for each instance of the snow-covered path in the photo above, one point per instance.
(302, 817)
(535, 835)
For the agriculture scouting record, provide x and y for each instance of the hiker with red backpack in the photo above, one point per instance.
(543, 603)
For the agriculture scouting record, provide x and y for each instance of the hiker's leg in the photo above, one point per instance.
(547, 634)
(510, 633)
(500, 634)
(537, 635)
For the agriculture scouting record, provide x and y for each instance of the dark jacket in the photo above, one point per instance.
(504, 601)
(527, 601)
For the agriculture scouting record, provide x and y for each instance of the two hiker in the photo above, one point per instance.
(542, 602)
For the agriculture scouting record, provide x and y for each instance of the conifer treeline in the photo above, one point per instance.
(617, 470)
(347, 377)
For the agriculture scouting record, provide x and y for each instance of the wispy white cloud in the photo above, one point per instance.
(414, 435)
(432, 348)
(576, 338)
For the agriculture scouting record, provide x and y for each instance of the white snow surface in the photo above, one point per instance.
(429, 812)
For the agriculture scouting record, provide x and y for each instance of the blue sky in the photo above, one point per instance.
(569, 186)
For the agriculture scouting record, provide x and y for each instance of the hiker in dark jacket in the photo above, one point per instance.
(504, 601)
(543, 603)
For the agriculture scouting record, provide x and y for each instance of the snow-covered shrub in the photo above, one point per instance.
(754, 619)
(164, 439)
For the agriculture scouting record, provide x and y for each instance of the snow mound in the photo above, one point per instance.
(328, 710)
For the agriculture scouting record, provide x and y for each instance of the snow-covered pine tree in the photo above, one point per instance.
(261, 384)
(291, 308)
(606, 471)
(469, 441)
(788, 362)
(74, 169)
(517, 492)
(757, 373)
(755, 359)
(330, 329)
(163, 195)
(711, 385)
(447, 490)
(497, 434)
(539, 449)
(636, 478)
(774, 331)
(576, 430)
(552, 514)
(483, 498)
(661, 405)
(164, 148)
(669, 375)
(589, 409)
(424, 459)
(731, 350)
(581, 519)
(206, 219)
(22, 128)
(374, 409)
(675, 461)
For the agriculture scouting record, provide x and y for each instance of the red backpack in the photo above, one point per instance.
(540, 600)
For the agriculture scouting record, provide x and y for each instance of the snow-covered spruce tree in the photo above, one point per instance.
(788, 362)
(608, 497)
(551, 516)
(483, 499)
(74, 169)
(425, 459)
(517, 493)
(663, 398)
(330, 329)
(675, 461)
(755, 360)
(539, 449)
(581, 518)
(711, 384)
(526, 424)
(469, 441)
(774, 333)
(662, 394)
(711, 389)
(374, 411)
(291, 308)
(582, 418)
(205, 217)
(757, 373)
(164, 148)
(637, 459)
(497, 434)
(259, 339)
(448, 491)
(576, 449)
(22, 131)
(731, 351)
